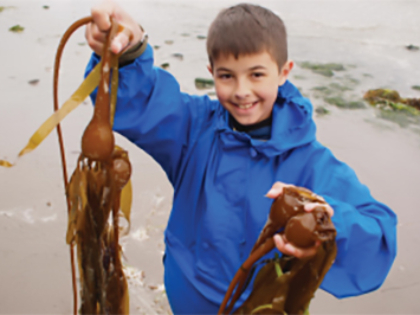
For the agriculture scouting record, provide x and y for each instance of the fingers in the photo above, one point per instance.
(101, 15)
(121, 41)
(95, 38)
(311, 206)
(96, 31)
(288, 249)
(276, 190)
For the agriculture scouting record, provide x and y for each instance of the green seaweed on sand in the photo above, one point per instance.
(339, 101)
(16, 29)
(412, 47)
(324, 69)
(332, 88)
(2, 8)
(299, 77)
(387, 99)
(178, 56)
(165, 65)
(202, 83)
(320, 110)
(335, 94)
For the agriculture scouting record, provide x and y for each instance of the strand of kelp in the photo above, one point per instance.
(100, 185)
(79, 194)
(286, 285)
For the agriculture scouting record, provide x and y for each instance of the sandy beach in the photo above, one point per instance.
(368, 38)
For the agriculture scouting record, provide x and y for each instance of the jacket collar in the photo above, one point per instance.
(292, 127)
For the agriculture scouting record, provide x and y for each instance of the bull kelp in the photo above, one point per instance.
(287, 284)
(94, 192)
(99, 191)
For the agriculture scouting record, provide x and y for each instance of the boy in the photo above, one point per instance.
(222, 156)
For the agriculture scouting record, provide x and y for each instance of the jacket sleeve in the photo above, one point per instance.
(366, 228)
(153, 113)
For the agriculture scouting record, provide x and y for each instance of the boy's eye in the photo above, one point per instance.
(257, 74)
(225, 76)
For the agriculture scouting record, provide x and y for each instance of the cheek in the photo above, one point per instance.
(222, 92)
(269, 94)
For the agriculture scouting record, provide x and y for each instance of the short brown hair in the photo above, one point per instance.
(247, 29)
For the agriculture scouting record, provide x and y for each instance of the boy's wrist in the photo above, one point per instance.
(134, 52)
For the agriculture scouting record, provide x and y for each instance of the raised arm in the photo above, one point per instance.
(151, 110)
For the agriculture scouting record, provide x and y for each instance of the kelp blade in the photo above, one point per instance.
(5, 163)
(83, 91)
(126, 201)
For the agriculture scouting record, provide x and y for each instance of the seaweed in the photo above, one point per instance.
(99, 190)
(165, 65)
(320, 110)
(343, 103)
(412, 47)
(178, 56)
(286, 285)
(390, 100)
(203, 84)
(17, 28)
(324, 69)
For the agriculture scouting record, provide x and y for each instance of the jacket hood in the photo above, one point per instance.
(292, 126)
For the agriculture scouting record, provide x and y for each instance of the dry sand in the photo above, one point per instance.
(367, 37)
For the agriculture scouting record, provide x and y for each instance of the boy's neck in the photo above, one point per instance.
(247, 128)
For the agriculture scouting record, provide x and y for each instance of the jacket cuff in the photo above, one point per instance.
(134, 52)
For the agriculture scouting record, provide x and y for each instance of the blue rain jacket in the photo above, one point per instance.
(220, 177)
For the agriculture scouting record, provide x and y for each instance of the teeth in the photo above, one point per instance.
(245, 106)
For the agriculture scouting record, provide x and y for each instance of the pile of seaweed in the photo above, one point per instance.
(391, 100)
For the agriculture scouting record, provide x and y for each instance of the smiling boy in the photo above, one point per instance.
(222, 156)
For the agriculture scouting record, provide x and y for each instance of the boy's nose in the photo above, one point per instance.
(242, 89)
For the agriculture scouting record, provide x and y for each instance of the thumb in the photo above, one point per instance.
(121, 41)
(276, 190)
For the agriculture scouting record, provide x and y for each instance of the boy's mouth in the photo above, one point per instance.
(247, 105)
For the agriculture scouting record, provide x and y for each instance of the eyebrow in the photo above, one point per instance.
(257, 68)
(250, 69)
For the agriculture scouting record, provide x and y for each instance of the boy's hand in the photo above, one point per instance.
(280, 240)
(96, 32)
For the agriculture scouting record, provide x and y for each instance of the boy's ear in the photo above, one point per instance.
(285, 71)
(209, 67)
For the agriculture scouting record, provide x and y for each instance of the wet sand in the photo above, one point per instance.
(367, 37)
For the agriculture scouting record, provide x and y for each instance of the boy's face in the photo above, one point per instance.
(247, 87)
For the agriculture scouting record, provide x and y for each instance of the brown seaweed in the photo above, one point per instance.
(286, 285)
(99, 186)
(94, 193)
